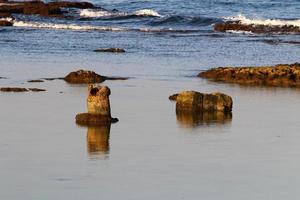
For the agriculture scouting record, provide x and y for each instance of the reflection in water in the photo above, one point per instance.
(197, 119)
(98, 139)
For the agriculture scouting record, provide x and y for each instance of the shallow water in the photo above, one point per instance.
(150, 153)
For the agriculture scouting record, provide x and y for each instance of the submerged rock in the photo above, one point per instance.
(98, 107)
(35, 81)
(17, 89)
(111, 50)
(255, 28)
(195, 102)
(283, 75)
(84, 77)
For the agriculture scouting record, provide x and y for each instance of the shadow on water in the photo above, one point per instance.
(98, 141)
(203, 119)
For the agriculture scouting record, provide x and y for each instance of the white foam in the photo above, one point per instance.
(65, 26)
(88, 13)
(9, 19)
(266, 22)
(147, 12)
(240, 32)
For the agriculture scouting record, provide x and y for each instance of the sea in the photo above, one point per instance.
(150, 153)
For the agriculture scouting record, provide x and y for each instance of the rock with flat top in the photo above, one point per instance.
(84, 77)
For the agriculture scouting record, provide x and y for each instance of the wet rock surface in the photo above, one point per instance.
(17, 89)
(5, 23)
(35, 81)
(192, 102)
(88, 77)
(282, 75)
(111, 50)
(84, 77)
(40, 8)
(98, 107)
(254, 28)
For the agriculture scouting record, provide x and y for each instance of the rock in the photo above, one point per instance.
(86, 119)
(16, 89)
(35, 81)
(41, 8)
(98, 139)
(98, 107)
(173, 97)
(84, 77)
(13, 89)
(111, 50)
(5, 15)
(255, 28)
(5, 23)
(282, 75)
(36, 90)
(98, 100)
(192, 102)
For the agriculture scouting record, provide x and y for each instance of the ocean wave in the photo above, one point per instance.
(265, 22)
(88, 13)
(186, 20)
(75, 27)
(65, 26)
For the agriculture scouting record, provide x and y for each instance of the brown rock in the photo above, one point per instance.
(13, 89)
(192, 102)
(35, 81)
(254, 28)
(111, 50)
(282, 75)
(84, 77)
(36, 90)
(5, 23)
(98, 108)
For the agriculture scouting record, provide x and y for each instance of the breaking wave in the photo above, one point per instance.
(265, 22)
(88, 13)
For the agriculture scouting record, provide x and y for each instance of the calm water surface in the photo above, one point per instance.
(150, 153)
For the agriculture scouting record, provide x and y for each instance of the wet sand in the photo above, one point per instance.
(150, 153)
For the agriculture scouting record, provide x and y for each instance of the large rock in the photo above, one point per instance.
(84, 77)
(283, 75)
(41, 8)
(5, 23)
(255, 28)
(98, 108)
(196, 102)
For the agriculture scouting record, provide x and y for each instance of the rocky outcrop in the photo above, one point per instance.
(16, 89)
(98, 108)
(87, 77)
(5, 23)
(196, 102)
(282, 75)
(111, 50)
(195, 108)
(84, 77)
(255, 28)
(41, 8)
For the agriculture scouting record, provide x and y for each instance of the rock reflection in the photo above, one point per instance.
(98, 140)
(203, 118)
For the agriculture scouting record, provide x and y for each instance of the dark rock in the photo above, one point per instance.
(87, 119)
(192, 102)
(84, 77)
(255, 28)
(13, 89)
(173, 97)
(41, 8)
(111, 50)
(16, 89)
(282, 75)
(36, 90)
(5, 23)
(35, 81)
(5, 15)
